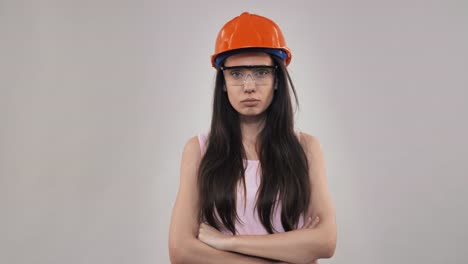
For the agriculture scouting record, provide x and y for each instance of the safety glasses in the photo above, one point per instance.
(260, 74)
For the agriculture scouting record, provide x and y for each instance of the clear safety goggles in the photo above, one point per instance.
(260, 74)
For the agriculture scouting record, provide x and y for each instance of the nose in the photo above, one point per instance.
(249, 84)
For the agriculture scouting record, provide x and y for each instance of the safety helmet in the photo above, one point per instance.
(250, 32)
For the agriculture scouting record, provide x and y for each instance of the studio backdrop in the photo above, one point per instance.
(98, 98)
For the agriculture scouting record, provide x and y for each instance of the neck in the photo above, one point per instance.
(250, 128)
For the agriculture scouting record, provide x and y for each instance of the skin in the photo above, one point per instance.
(194, 242)
(210, 236)
(251, 117)
(304, 245)
(184, 245)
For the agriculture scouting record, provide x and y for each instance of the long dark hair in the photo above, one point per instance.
(282, 159)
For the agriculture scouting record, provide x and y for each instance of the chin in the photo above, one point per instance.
(251, 113)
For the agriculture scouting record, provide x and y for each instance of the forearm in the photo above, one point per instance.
(194, 251)
(297, 246)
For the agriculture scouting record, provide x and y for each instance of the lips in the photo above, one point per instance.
(250, 103)
(250, 100)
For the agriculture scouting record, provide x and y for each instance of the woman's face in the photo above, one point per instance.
(252, 83)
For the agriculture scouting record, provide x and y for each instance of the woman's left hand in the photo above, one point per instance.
(212, 237)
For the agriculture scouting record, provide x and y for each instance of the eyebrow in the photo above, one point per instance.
(248, 67)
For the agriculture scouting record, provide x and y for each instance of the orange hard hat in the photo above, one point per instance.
(250, 31)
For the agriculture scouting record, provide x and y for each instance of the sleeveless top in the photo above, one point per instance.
(250, 223)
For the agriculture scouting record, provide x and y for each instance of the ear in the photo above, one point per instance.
(224, 88)
(276, 85)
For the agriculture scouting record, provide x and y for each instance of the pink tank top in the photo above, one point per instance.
(251, 224)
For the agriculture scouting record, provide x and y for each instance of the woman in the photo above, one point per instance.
(252, 189)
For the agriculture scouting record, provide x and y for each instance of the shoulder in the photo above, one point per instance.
(310, 144)
(196, 143)
(192, 143)
(192, 150)
(313, 150)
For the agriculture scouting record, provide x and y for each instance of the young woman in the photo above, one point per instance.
(252, 189)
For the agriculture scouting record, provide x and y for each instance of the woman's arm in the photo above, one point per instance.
(302, 246)
(297, 246)
(184, 247)
(218, 240)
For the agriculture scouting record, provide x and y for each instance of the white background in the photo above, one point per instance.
(97, 99)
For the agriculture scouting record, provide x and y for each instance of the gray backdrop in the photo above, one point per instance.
(98, 99)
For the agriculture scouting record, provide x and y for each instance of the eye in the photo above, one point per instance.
(263, 72)
(236, 74)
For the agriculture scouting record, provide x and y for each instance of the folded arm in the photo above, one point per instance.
(184, 246)
(194, 251)
(302, 246)
(297, 246)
